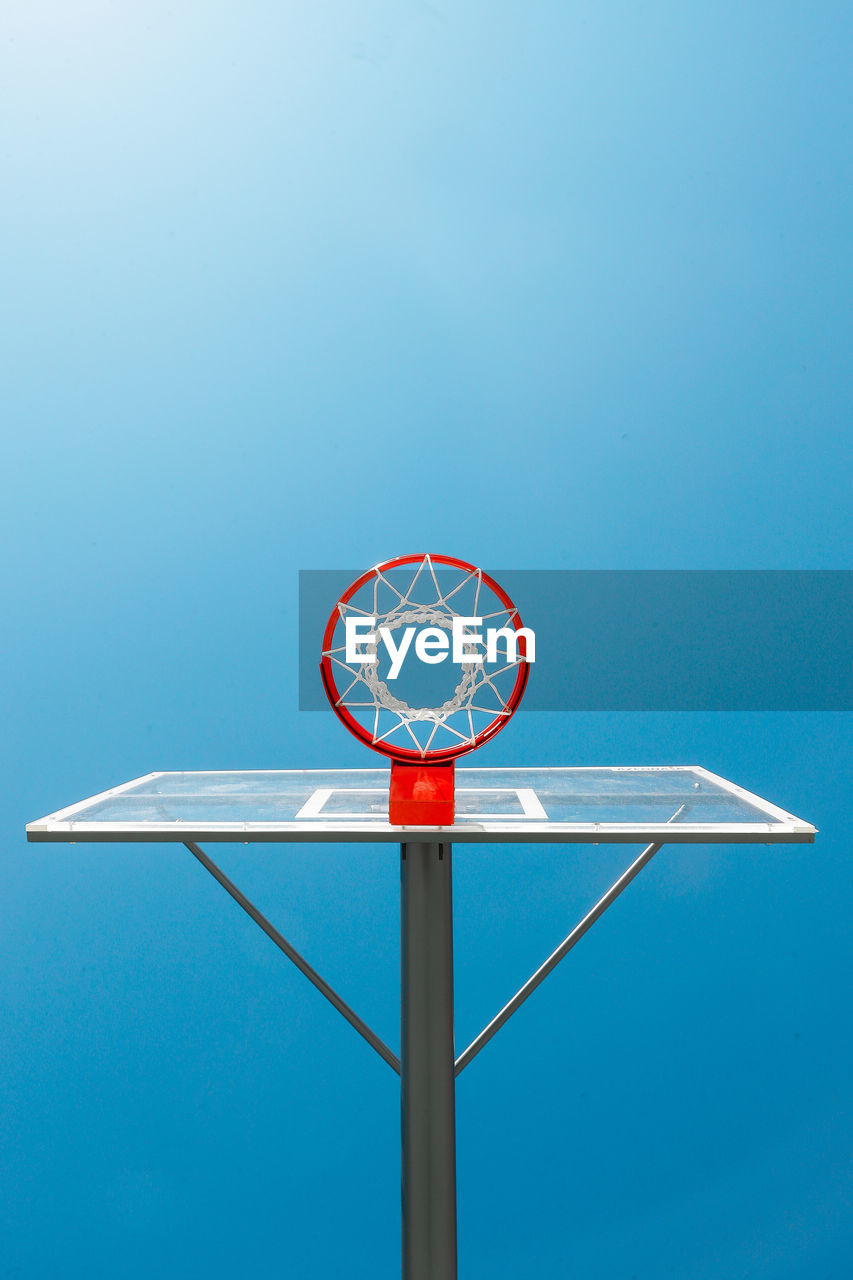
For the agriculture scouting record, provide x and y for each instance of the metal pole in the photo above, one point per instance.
(428, 1118)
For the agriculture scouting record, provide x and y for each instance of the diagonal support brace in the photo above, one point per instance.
(555, 957)
(292, 954)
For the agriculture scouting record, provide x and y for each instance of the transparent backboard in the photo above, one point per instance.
(615, 804)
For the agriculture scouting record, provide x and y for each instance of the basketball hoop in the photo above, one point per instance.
(440, 593)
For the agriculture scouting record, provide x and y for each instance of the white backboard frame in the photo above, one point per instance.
(313, 823)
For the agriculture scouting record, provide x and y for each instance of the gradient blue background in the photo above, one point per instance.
(551, 286)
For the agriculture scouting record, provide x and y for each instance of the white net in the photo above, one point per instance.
(431, 594)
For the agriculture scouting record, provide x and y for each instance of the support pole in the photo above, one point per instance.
(556, 956)
(427, 1070)
(292, 954)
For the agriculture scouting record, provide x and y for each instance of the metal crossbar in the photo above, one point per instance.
(555, 957)
(292, 954)
(500, 1018)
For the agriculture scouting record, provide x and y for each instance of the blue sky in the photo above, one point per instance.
(307, 286)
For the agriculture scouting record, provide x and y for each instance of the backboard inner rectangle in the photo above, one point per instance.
(477, 804)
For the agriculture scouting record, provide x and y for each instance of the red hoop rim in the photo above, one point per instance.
(408, 754)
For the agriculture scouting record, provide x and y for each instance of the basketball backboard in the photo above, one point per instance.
(587, 805)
